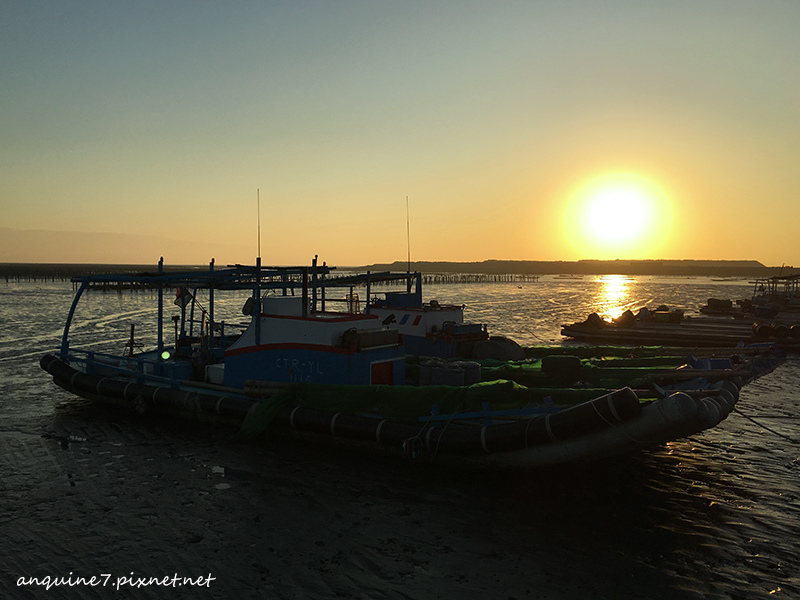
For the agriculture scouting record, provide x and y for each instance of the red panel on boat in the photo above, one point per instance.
(383, 373)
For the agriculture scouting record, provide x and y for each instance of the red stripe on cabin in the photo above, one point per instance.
(337, 318)
(288, 346)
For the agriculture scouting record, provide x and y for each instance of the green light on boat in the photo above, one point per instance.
(165, 355)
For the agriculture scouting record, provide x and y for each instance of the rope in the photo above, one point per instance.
(616, 426)
(439, 441)
(528, 330)
(425, 425)
(786, 437)
(527, 427)
(450, 420)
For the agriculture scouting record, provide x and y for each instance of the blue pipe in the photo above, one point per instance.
(65, 337)
(160, 307)
(256, 311)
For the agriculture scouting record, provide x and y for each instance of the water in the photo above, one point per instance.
(90, 491)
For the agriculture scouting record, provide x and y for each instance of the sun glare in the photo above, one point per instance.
(618, 216)
(613, 296)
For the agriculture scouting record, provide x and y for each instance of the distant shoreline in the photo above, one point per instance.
(673, 268)
(677, 268)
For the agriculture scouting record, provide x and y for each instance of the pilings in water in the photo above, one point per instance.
(22, 272)
(445, 278)
(51, 273)
(33, 272)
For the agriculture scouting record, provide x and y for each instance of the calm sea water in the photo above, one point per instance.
(713, 516)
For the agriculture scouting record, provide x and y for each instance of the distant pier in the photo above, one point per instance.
(444, 278)
(30, 272)
(20, 272)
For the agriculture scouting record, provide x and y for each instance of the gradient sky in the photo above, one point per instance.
(154, 123)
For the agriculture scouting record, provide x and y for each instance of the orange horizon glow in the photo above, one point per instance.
(143, 130)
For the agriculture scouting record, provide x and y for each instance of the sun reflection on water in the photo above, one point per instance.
(613, 297)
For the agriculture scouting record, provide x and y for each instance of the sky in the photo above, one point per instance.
(361, 131)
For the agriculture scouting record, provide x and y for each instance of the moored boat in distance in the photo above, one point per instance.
(665, 327)
(392, 370)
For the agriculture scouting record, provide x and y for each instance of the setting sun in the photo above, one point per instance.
(618, 216)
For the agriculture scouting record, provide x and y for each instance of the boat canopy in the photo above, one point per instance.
(312, 281)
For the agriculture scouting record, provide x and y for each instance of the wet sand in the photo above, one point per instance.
(89, 491)
(92, 492)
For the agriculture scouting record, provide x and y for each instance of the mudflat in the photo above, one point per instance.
(91, 492)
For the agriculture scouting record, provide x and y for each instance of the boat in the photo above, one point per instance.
(666, 327)
(364, 376)
(776, 298)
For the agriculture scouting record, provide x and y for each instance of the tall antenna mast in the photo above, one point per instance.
(258, 205)
(408, 236)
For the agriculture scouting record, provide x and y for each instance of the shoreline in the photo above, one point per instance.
(449, 272)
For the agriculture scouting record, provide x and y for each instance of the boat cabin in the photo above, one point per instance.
(288, 343)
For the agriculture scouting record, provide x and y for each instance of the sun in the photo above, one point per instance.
(618, 216)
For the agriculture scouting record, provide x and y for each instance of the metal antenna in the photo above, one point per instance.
(258, 203)
(408, 236)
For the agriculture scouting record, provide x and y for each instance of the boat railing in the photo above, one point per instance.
(101, 363)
